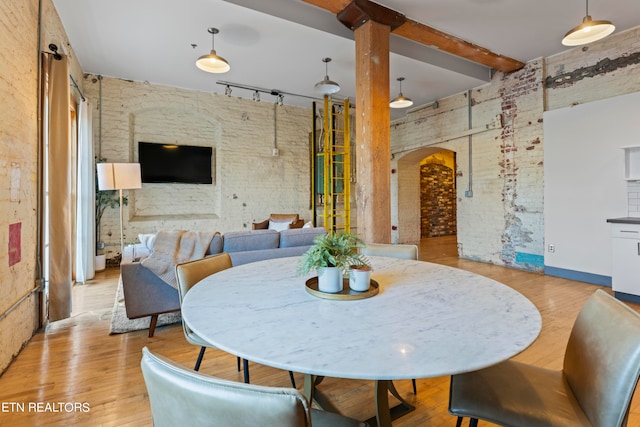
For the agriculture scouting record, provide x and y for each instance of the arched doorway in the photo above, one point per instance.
(427, 198)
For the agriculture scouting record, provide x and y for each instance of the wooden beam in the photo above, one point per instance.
(358, 12)
(429, 36)
(432, 37)
(373, 131)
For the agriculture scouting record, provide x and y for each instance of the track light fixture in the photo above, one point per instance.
(587, 32)
(212, 63)
(400, 101)
(327, 86)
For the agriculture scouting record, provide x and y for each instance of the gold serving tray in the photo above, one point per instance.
(346, 293)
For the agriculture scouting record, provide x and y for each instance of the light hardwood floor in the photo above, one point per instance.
(77, 361)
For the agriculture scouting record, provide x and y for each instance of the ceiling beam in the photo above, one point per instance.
(319, 19)
(429, 36)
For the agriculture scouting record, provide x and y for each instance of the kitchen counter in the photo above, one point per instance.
(625, 220)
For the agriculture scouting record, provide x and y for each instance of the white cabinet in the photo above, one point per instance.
(625, 239)
(631, 163)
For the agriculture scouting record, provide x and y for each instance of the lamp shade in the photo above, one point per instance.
(118, 176)
(587, 32)
(212, 63)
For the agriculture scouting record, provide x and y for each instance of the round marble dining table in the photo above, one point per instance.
(427, 320)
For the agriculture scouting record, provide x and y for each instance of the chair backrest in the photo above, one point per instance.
(602, 360)
(181, 397)
(190, 273)
(389, 250)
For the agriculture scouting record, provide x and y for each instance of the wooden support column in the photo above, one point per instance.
(373, 149)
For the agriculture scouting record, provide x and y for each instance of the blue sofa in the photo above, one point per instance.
(145, 294)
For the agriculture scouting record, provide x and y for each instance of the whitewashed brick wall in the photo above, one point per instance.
(249, 184)
(503, 222)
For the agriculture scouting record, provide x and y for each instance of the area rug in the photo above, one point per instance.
(120, 323)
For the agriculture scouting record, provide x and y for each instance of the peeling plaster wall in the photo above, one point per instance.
(503, 222)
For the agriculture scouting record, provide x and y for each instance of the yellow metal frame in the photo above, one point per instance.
(336, 162)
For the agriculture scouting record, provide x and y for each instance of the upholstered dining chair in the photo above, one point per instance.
(180, 397)
(594, 388)
(402, 251)
(187, 275)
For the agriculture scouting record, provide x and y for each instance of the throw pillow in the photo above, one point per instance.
(279, 226)
(147, 240)
(307, 225)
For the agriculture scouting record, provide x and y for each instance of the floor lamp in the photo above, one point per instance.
(119, 176)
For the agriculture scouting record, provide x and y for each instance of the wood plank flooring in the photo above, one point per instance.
(76, 361)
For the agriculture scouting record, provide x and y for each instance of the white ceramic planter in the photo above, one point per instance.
(359, 279)
(330, 280)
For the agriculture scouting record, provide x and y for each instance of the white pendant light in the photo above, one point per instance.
(400, 101)
(326, 86)
(212, 63)
(589, 31)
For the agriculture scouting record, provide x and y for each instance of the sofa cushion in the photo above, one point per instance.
(239, 258)
(299, 236)
(237, 241)
(215, 247)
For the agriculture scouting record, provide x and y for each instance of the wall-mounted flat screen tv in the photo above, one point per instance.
(171, 163)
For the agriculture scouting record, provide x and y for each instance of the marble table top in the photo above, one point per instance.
(428, 320)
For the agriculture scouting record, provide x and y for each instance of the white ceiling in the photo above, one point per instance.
(151, 40)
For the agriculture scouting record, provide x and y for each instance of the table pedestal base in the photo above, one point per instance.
(384, 414)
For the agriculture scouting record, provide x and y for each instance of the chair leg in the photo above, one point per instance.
(246, 370)
(473, 422)
(413, 383)
(459, 422)
(199, 361)
(293, 380)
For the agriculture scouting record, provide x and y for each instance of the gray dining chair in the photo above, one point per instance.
(401, 251)
(180, 397)
(187, 275)
(594, 388)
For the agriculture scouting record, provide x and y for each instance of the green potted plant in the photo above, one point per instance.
(330, 256)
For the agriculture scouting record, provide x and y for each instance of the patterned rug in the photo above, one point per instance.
(120, 323)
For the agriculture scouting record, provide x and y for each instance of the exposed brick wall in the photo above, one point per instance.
(249, 183)
(437, 200)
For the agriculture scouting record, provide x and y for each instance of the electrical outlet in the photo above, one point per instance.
(551, 248)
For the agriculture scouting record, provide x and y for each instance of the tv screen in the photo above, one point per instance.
(164, 163)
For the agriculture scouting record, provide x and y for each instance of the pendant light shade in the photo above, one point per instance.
(400, 101)
(327, 86)
(212, 63)
(589, 31)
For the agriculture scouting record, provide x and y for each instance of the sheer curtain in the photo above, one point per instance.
(57, 186)
(85, 201)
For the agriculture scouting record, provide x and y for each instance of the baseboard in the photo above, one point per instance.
(580, 276)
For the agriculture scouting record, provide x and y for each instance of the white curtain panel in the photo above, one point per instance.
(85, 207)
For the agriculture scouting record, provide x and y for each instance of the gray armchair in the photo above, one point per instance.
(180, 397)
(594, 388)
